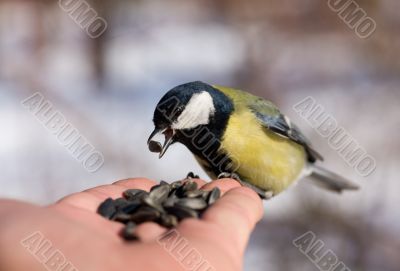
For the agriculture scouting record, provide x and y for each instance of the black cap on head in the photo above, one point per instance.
(175, 100)
(186, 108)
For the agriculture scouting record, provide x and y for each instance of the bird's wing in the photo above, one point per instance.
(271, 118)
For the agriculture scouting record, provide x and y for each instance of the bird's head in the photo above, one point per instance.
(185, 108)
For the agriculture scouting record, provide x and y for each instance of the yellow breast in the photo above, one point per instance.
(267, 160)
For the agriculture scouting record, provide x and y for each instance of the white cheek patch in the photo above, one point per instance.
(198, 111)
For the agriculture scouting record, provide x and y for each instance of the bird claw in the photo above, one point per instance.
(191, 175)
(262, 193)
(226, 175)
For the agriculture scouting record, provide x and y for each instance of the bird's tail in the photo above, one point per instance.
(329, 180)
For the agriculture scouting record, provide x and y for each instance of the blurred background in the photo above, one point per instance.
(281, 50)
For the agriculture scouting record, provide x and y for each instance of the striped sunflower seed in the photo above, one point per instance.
(168, 221)
(131, 207)
(206, 195)
(153, 203)
(107, 209)
(214, 195)
(195, 204)
(186, 187)
(128, 233)
(160, 193)
(120, 203)
(170, 201)
(189, 186)
(164, 183)
(194, 194)
(165, 204)
(122, 217)
(132, 194)
(182, 212)
(176, 185)
(145, 214)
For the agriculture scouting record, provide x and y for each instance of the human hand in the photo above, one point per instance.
(87, 241)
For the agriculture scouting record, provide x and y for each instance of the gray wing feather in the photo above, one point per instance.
(281, 125)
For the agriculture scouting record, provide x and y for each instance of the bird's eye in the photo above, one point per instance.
(179, 110)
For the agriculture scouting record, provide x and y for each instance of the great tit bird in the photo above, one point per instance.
(235, 134)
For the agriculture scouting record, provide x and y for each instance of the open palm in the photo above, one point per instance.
(74, 237)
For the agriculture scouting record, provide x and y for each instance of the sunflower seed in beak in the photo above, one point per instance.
(155, 146)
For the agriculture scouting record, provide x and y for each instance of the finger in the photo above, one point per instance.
(237, 212)
(223, 184)
(136, 183)
(91, 199)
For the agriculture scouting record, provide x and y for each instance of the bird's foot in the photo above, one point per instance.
(262, 193)
(227, 175)
(191, 175)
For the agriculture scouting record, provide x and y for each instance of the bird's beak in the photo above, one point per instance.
(154, 146)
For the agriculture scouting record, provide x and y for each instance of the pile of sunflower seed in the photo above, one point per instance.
(165, 204)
